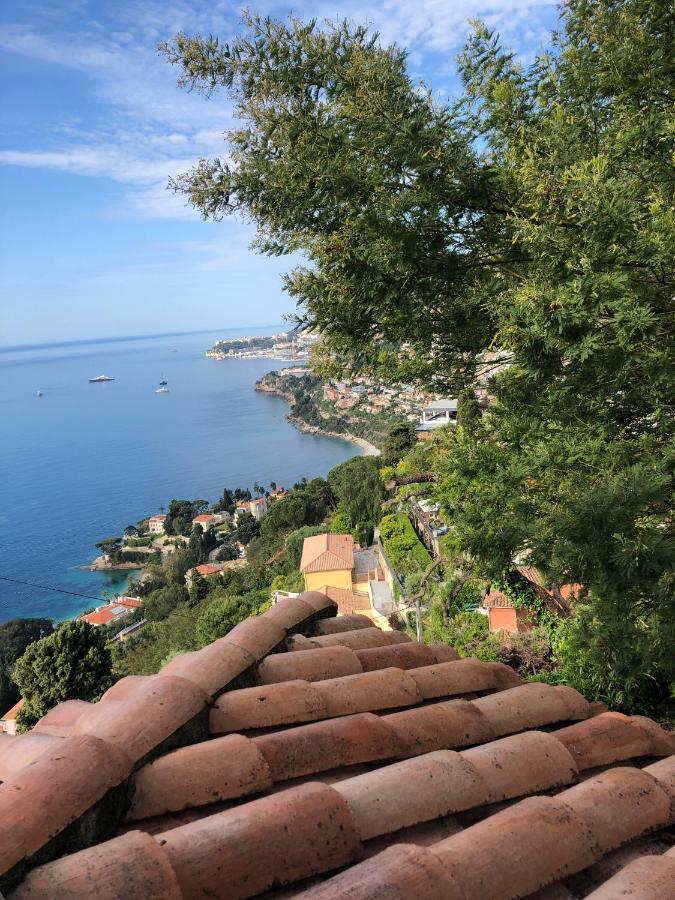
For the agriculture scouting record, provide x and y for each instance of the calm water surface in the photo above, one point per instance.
(85, 460)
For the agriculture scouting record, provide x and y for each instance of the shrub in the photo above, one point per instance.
(404, 549)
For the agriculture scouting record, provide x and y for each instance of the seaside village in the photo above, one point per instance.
(359, 578)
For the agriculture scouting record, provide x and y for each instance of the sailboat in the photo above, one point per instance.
(163, 387)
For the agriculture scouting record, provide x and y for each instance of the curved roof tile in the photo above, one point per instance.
(59, 721)
(521, 764)
(528, 846)
(43, 798)
(531, 706)
(352, 622)
(611, 737)
(647, 878)
(132, 865)
(369, 691)
(269, 842)
(155, 709)
(326, 745)
(437, 727)
(401, 872)
(412, 791)
(221, 769)
(286, 703)
(355, 640)
(17, 751)
(403, 656)
(257, 636)
(309, 665)
(213, 668)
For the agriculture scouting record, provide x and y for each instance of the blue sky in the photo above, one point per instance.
(91, 242)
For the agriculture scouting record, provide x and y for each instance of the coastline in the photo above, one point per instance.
(368, 448)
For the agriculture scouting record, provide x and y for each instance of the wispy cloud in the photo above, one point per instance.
(140, 128)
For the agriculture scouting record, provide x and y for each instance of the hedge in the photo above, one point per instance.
(401, 544)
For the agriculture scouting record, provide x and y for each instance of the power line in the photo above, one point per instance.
(47, 587)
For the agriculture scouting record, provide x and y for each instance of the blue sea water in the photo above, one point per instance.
(85, 460)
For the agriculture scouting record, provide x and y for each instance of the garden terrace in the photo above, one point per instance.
(305, 754)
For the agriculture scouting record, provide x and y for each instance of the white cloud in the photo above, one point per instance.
(142, 128)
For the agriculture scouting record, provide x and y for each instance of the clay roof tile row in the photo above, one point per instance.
(315, 828)
(435, 759)
(292, 702)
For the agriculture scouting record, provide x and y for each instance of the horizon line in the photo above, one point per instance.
(6, 348)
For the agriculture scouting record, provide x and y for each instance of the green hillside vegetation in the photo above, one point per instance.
(532, 214)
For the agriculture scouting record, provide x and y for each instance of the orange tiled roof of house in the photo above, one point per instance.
(217, 777)
(13, 711)
(208, 569)
(327, 552)
(347, 601)
(204, 517)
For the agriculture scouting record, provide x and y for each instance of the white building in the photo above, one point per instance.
(156, 524)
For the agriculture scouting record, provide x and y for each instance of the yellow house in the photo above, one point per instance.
(328, 561)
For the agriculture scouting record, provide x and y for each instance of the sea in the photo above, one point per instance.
(82, 461)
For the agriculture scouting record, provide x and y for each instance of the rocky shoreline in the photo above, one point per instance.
(368, 448)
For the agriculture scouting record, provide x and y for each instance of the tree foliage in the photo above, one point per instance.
(73, 663)
(533, 215)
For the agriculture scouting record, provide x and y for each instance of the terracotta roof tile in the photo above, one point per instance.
(43, 798)
(360, 639)
(321, 746)
(153, 710)
(521, 764)
(258, 636)
(213, 668)
(60, 720)
(290, 612)
(309, 665)
(285, 703)
(402, 872)
(367, 692)
(531, 706)
(412, 791)
(443, 725)
(463, 676)
(321, 603)
(133, 865)
(269, 842)
(611, 737)
(403, 656)
(228, 767)
(340, 624)
(648, 878)
(17, 751)
(408, 777)
(618, 805)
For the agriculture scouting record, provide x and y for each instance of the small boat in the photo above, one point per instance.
(100, 378)
(163, 387)
(39, 393)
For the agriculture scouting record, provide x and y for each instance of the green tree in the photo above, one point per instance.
(534, 215)
(468, 409)
(162, 602)
(400, 438)
(15, 636)
(73, 663)
(356, 483)
(199, 588)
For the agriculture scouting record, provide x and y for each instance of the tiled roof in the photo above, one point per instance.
(12, 712)
(204, 517)
(308, 755)
(347, 601)
(327, 552)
